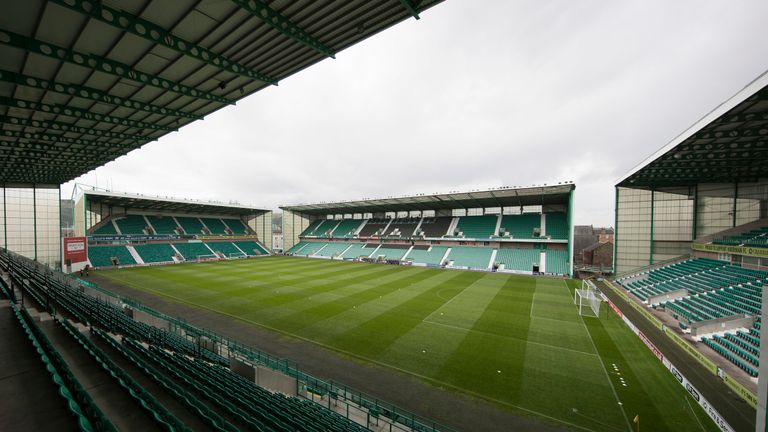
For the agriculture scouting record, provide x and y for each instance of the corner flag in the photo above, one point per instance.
(636, 419)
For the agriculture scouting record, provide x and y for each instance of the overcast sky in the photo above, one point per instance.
(474, 95)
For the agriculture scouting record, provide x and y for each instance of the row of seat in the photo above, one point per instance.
(755, 238)
(523, 226)
(105, 256)
(167, 225)
(518, 259)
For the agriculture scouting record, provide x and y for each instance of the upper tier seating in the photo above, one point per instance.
(477, 227)
(324, 229)
(754, 238)
(107, 229)
(163, 224)
(132, 225)
(193, 250)
(557, 261)
(101, 256)
(374, 227)
(391, 252)
(191, 225)
(472, 257)
(427, 255)
(311, 228)
(346, 228)
(518, 258)
(225, 248)
(251, 248)
(402, 228)
(155, 252)
(215, 226)
(237, 226)
(333, 249)
(520, 226)
(557, 225)
(434, 227)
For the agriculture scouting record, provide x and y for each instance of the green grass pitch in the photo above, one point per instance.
(516, 341)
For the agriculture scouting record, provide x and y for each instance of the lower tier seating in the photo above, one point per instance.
(155, 252)
(101, 256)
(193, 250)
(251, 248)
(518, 258)
(391, 252)
(427, 255)
(472, 257)
(557, 261)
(227, 249)
(332, 249)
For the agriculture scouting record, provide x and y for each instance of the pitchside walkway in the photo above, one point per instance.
(735, 411)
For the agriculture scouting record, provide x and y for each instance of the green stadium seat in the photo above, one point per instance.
(477, 227)
(101, 256)
(471, 257)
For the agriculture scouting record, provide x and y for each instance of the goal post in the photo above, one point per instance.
(588, 299)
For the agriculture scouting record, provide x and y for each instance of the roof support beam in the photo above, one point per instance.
(79, 113)
(277, 21)
(154, 33)
(57, 138)
(66, 127)
(410, 8)
(104, 65)
(90, 94)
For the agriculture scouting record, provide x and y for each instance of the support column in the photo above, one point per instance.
(615, 229)
(695, 212)
(650, 249)
(34, 216)
(735, 201)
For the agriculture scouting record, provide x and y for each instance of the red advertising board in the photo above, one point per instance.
(75, 249)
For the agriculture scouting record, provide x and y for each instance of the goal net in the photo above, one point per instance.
(587, 298)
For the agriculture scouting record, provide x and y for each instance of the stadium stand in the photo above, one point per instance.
(310, 230)
(346, 228)
(311, 248)
(251, 248)
(391, 252)
(297, 248)
(325, 229)
(163, 224)
(227, 249)
(197, 379)
(477, 227)
(715, 289)
(557, 261)
(472, 257)
(518, 258)
(401, 228)
(333, 249)
(557, 225)
(434, 227)
(374, 227)
(215, 226)
(237, 226)
(101, 256)
(192, 250)
(427, 255)
(155, 252)
(358, 250)
(753, 238)
(523, 226)
(191, 225)
(107, 228)
(132, 224)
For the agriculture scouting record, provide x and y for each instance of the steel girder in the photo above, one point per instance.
(79, 113)
(154, 33)
(410, 8)
(66, 127)
(104, 65)
(277, 21)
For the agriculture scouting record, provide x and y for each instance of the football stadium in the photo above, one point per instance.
(429, 312)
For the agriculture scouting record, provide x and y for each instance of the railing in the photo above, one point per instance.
(652, 266)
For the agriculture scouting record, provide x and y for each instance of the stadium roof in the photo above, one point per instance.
(167, 204)
(83, 82)
(500, 197)
(730, 144)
